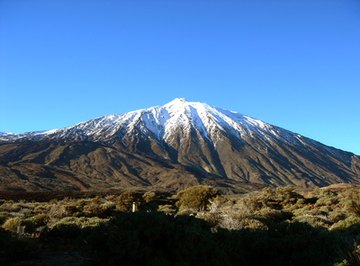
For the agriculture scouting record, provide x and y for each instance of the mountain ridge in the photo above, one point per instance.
(206, 143)
(116, 120)
(158, 114)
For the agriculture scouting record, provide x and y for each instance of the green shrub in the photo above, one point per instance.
(72, 210)
(81, 222)
(238, 223)
(125, 200)
(3, 217)
(149, 196)
(100, 210)
(71, 227)
(167, 209)
(346, 224)
(42, 208)
(33, 223)
(281, 197)
(252, 224)
(248, 205)
(213, 218)
(11, 224)
(336, 215)
(273, 215)
(327, 200)
(40, 219)
(15, 207)
(57, 211)
(352, 202)
(316, 221)
(195, 198)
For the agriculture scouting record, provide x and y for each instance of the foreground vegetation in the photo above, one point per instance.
(196, 226)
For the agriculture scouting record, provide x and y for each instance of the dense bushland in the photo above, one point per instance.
(195, 226)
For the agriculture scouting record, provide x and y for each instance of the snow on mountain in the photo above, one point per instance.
(6, 136)
(191, 138)
(162, 121)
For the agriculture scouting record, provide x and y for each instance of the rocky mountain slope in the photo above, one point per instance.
(171, 146)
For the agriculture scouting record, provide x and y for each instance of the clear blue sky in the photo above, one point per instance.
(292, 63)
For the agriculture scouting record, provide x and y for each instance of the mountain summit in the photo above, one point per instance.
(161, 122)
(170, 146)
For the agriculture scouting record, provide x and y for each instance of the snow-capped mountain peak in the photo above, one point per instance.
(161, 122)
(178, 139)
(201, 116)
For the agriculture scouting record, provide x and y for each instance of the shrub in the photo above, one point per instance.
(100, 210)
(195, 198)
(33, 223)
(81, 222)
(316, 221)
(125, 200)
(57, 211)
(273, 215)
(281, 197)
(167, 209)
(216, 204)
(72, 210)
(70, 227)
(336, 216)
(40, 219)
(252, 224)
(42, 208)
(15, 207)
(327, 200)
(346, 224)
(3, 217)
(11, 224)
(352, 202)
(247, 206)
(149, 196)
(213, 218)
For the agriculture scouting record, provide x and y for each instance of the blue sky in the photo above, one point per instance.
(295, 64)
